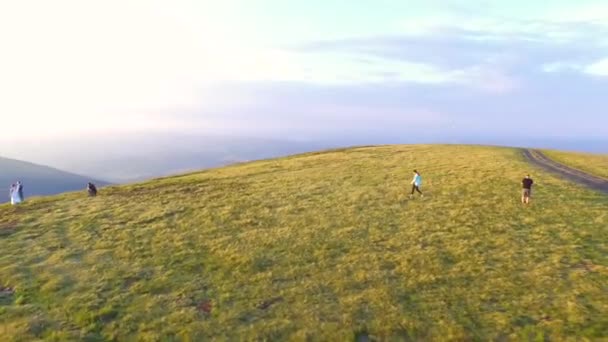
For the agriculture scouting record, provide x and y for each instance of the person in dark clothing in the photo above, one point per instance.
(527, 189)
(91, 189)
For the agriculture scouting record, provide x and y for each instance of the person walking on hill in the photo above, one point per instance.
(416, 184)
(91, 189)
(527, 189)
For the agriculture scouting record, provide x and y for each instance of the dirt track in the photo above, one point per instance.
(539, 159)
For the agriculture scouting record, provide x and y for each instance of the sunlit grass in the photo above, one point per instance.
(593, 163)
(323, 246)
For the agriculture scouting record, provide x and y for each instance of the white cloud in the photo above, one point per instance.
(561, 27)
(492, 29)
(599, 68)
(72, 64)
(70, 61)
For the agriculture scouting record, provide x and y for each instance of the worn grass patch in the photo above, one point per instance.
(323, 246)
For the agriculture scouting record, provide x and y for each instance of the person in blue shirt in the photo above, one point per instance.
(416, 184)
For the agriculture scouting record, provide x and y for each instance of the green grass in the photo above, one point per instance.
(596, 164)
(322, 246)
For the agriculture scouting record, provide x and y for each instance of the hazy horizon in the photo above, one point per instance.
(133, 157)
(308, 74)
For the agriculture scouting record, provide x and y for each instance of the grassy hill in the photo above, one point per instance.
(38, 179)
(322, 246)
(596, 164)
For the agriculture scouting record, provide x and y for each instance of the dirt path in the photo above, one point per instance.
(539, 159)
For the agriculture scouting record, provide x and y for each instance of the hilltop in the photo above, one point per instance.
(39, 179)
(321, 246)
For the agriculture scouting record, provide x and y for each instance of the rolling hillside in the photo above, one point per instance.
(322, 246)
(38, 179)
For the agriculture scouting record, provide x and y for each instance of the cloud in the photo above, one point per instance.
(599, 68)
(73, 67)
(547, 105)
(595, 68)
(484, 54)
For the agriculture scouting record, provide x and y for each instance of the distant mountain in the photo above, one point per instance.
(121, 159)
(38, 179)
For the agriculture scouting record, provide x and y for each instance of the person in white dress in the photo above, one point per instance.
(16, 193)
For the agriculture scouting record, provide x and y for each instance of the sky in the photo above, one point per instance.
(304, 70)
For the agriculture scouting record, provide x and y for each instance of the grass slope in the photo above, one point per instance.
(321, 246)
(38, 179)
(596, 164)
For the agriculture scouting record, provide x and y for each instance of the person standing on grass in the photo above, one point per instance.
(91, 189)
(527, 189)
(19, 190)
(416, 184)
(12, 193)
(16, 193)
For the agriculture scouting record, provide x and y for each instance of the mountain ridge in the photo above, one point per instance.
(40, 180)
